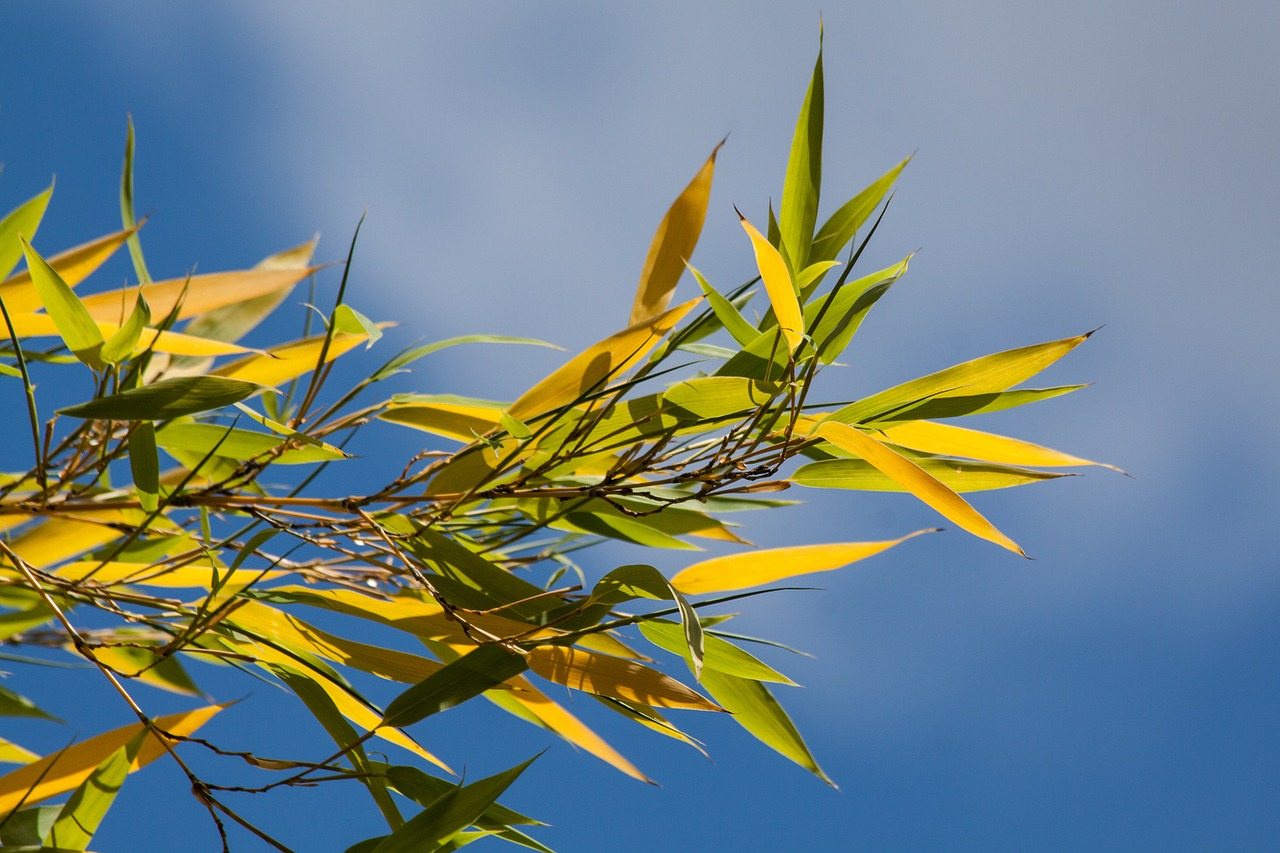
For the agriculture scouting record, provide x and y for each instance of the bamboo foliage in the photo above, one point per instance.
(174, 518)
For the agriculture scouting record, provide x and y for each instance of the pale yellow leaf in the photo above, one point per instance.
(11, 753)
(948, 440)
(197, 294)
(58, 538)
(63, 771)
(673, 245)
(915, 480)
(150, 574)
(616, 677)
(74, 265)
(755, 568)
(777, 283)
(283, 363)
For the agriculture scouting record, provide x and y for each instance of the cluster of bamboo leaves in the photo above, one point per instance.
(144, 512)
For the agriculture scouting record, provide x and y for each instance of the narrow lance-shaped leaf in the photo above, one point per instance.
(729, 316)
(638, 581)
(916, 480)
(959, 475)
(74, 323)
(144, 462)
(22, 221)
(121, 345)
(126, 208)
(74, 265)
(841, 227)
(719, 654)
(950, 440)
(777, 283)
(483, 668)
(673, 245)
(167, 398)
(755, 568)
(609, 676)
(83, 813)
(799, 212)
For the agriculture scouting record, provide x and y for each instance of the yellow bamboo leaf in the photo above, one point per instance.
(174, 343)
(56, 539)
(948, 440)
(198, 293)
(777, 283)
(915, 480)
(461, 421)
(673, 245)
(755, 568)
(348, 705)
(74, 265)
(63, 771)
(616, 677)
(592, 370)
(535, 704)
(11, 753)
(283, 363)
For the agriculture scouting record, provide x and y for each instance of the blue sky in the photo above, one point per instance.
(1102, 163)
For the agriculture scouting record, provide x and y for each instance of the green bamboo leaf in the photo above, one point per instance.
(484, 584)
(799, 211)
(144, 462)
(167, 398)
(481, 669)
(349, 320)
(720, 655)
(756, 710)
(22, 221)
(328, 715)
(837, 231)
(450, 814)
(729, 316)
(26, 829)
(83, 813)
(515, 427)
(10, 752)
(74, 323)
(13, 705)
(959, 405)
(241, 444)
(638, 581)
(126, 209)
(122, 344)
(843, 313)
(956, 474)
(424, 789)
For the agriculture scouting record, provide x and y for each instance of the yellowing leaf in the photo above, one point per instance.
(616, 677)
(169, 577)
(591, 370)
(290, 361)
(58, 538)
(11, 753)
(446, 416)
(63, 771)
(917, 481)
(754, 568)
(673, 245)
(948, 440)
(197, 294)
(777, 283)
(74, 265)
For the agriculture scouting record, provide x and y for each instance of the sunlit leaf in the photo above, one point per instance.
(74, 265)
(289, 361)
(74, 323)
(126, 207)
(718, 654)
(13, 705)
(453, 417)
(916, 480)
(673, 245)
(241, 444)
(166, 398)
(755, 568)
(481, 669)
(350, 321)
(11, 753)
(22, 221)
(959, 475)
(777, 283)
(841, 227)
(639, 581)
(949, 440)
(145, 665)
(81, 816)
(800, 192)
(125, 340)
(63, 771)
(144, 463)
(610, 676)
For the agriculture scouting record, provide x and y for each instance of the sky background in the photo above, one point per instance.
(1093, 164)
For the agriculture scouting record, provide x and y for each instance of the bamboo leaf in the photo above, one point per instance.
(949, 440)
(352, 322)
(144, 463)
(283, 363)
(916, 480)
(11, 753)
(63, 771)
(74, 324)
(593, 369)
(778, 285)
(756, 710)
(147, 666)
(841, 227)
(445, 415)
(167, 398)
(616, 677)
(126, 208)
(800, 192)
(83, 813)
(959, 405)
(729, 316)
(472, 674)
(957, 475)
(234, 321)
(21, 222)
(74, 265)
(455, 811)
(122, 344)
(241, 444)
(720, 655)
(755, 568)
(637, 581)
(194, 295)
(13, 705)
(673, 245)
(987, 375)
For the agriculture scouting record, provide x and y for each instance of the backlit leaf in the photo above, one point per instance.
(720, 655)
(80, 817)
(949, 440)
(289, 361)
(166, 398)
(610, 676)
(121, 345)
(673, 245)
(472, 674)
(916, 480)
(73, 321)
(241, 444)
(74, 265)
(144, 463)
(22, 221)
(799, 211)
(956, 474)
(841, 227)
(777, 283)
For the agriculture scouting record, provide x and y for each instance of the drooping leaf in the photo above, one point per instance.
(479, 670)
(144, 463)
(916, 480)
(777, 283)
(755, 568)
(166, 398)
(73, 321)
(756, 710)
(720, 655)
(63, 771)
(83, 813)
(673, 245)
